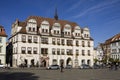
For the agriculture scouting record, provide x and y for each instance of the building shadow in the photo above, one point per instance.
(17, 76)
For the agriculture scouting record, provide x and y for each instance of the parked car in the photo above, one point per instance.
(85, 66)
(96, 66)
(54, 67)
(2, 66)
(68, 67)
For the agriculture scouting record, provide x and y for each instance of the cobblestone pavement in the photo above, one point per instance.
(68, 74)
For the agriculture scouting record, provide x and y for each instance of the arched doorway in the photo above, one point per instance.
(43, 63)
(26, 62)
(88, 62)
(83, 61)
(69, 61)
(32, 63)
(61, 61)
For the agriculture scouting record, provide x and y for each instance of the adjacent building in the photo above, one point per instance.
(99, 55)
(115, 46)
(3, 37)
(111, 47)
(46, 41)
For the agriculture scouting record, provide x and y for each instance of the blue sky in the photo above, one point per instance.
(102, 17)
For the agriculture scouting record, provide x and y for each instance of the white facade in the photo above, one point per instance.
(99, 54)
(115, 50)
(2, 46)
(45, 42)
(112, 46)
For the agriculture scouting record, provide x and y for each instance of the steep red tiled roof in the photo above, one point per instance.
(50, 20)
(113, 39)
(2, 32)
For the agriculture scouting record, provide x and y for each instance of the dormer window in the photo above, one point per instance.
(67, 26)
(45, 23)
(45, 27)
(33, 29)
(33, 21)
(29, 29)
(56, 25)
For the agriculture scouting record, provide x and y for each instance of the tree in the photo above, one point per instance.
(95, 60)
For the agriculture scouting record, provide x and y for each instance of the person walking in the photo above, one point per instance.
(61, 67)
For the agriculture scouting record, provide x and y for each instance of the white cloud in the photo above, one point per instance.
(76, 5)
(97, 8)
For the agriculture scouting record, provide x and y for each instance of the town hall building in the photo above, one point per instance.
(46, 41)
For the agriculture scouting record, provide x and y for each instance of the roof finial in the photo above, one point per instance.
(56, 15)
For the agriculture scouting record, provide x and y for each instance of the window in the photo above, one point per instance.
(29, 39)
(54, 31)
(42, 30)
(75, 34)
(23, 38)
(0, 40)
(29, 29)
(44, 51)
(62, 42)
(46, 30)
(83, 52)
(65, 33)
(88, 52)
(0, 49)
(69, 42)
(69, 33)
(44, 40)
(88, 43)
(77, 43)
(78, 34)
(58, 41)
(83, 44)
(29, 50)
(58, 51)
(119, 50)
(57, 32)
(53, 41)
(62, 51)
(35, 50)
(69, 52)
(23, 49)
(33, 29)
(77, 51)
(35, 39)
(53, 51)
(83, 61)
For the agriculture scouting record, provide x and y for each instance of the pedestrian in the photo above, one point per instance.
(61, 67)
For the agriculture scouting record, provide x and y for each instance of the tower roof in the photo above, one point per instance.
(56, 15)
